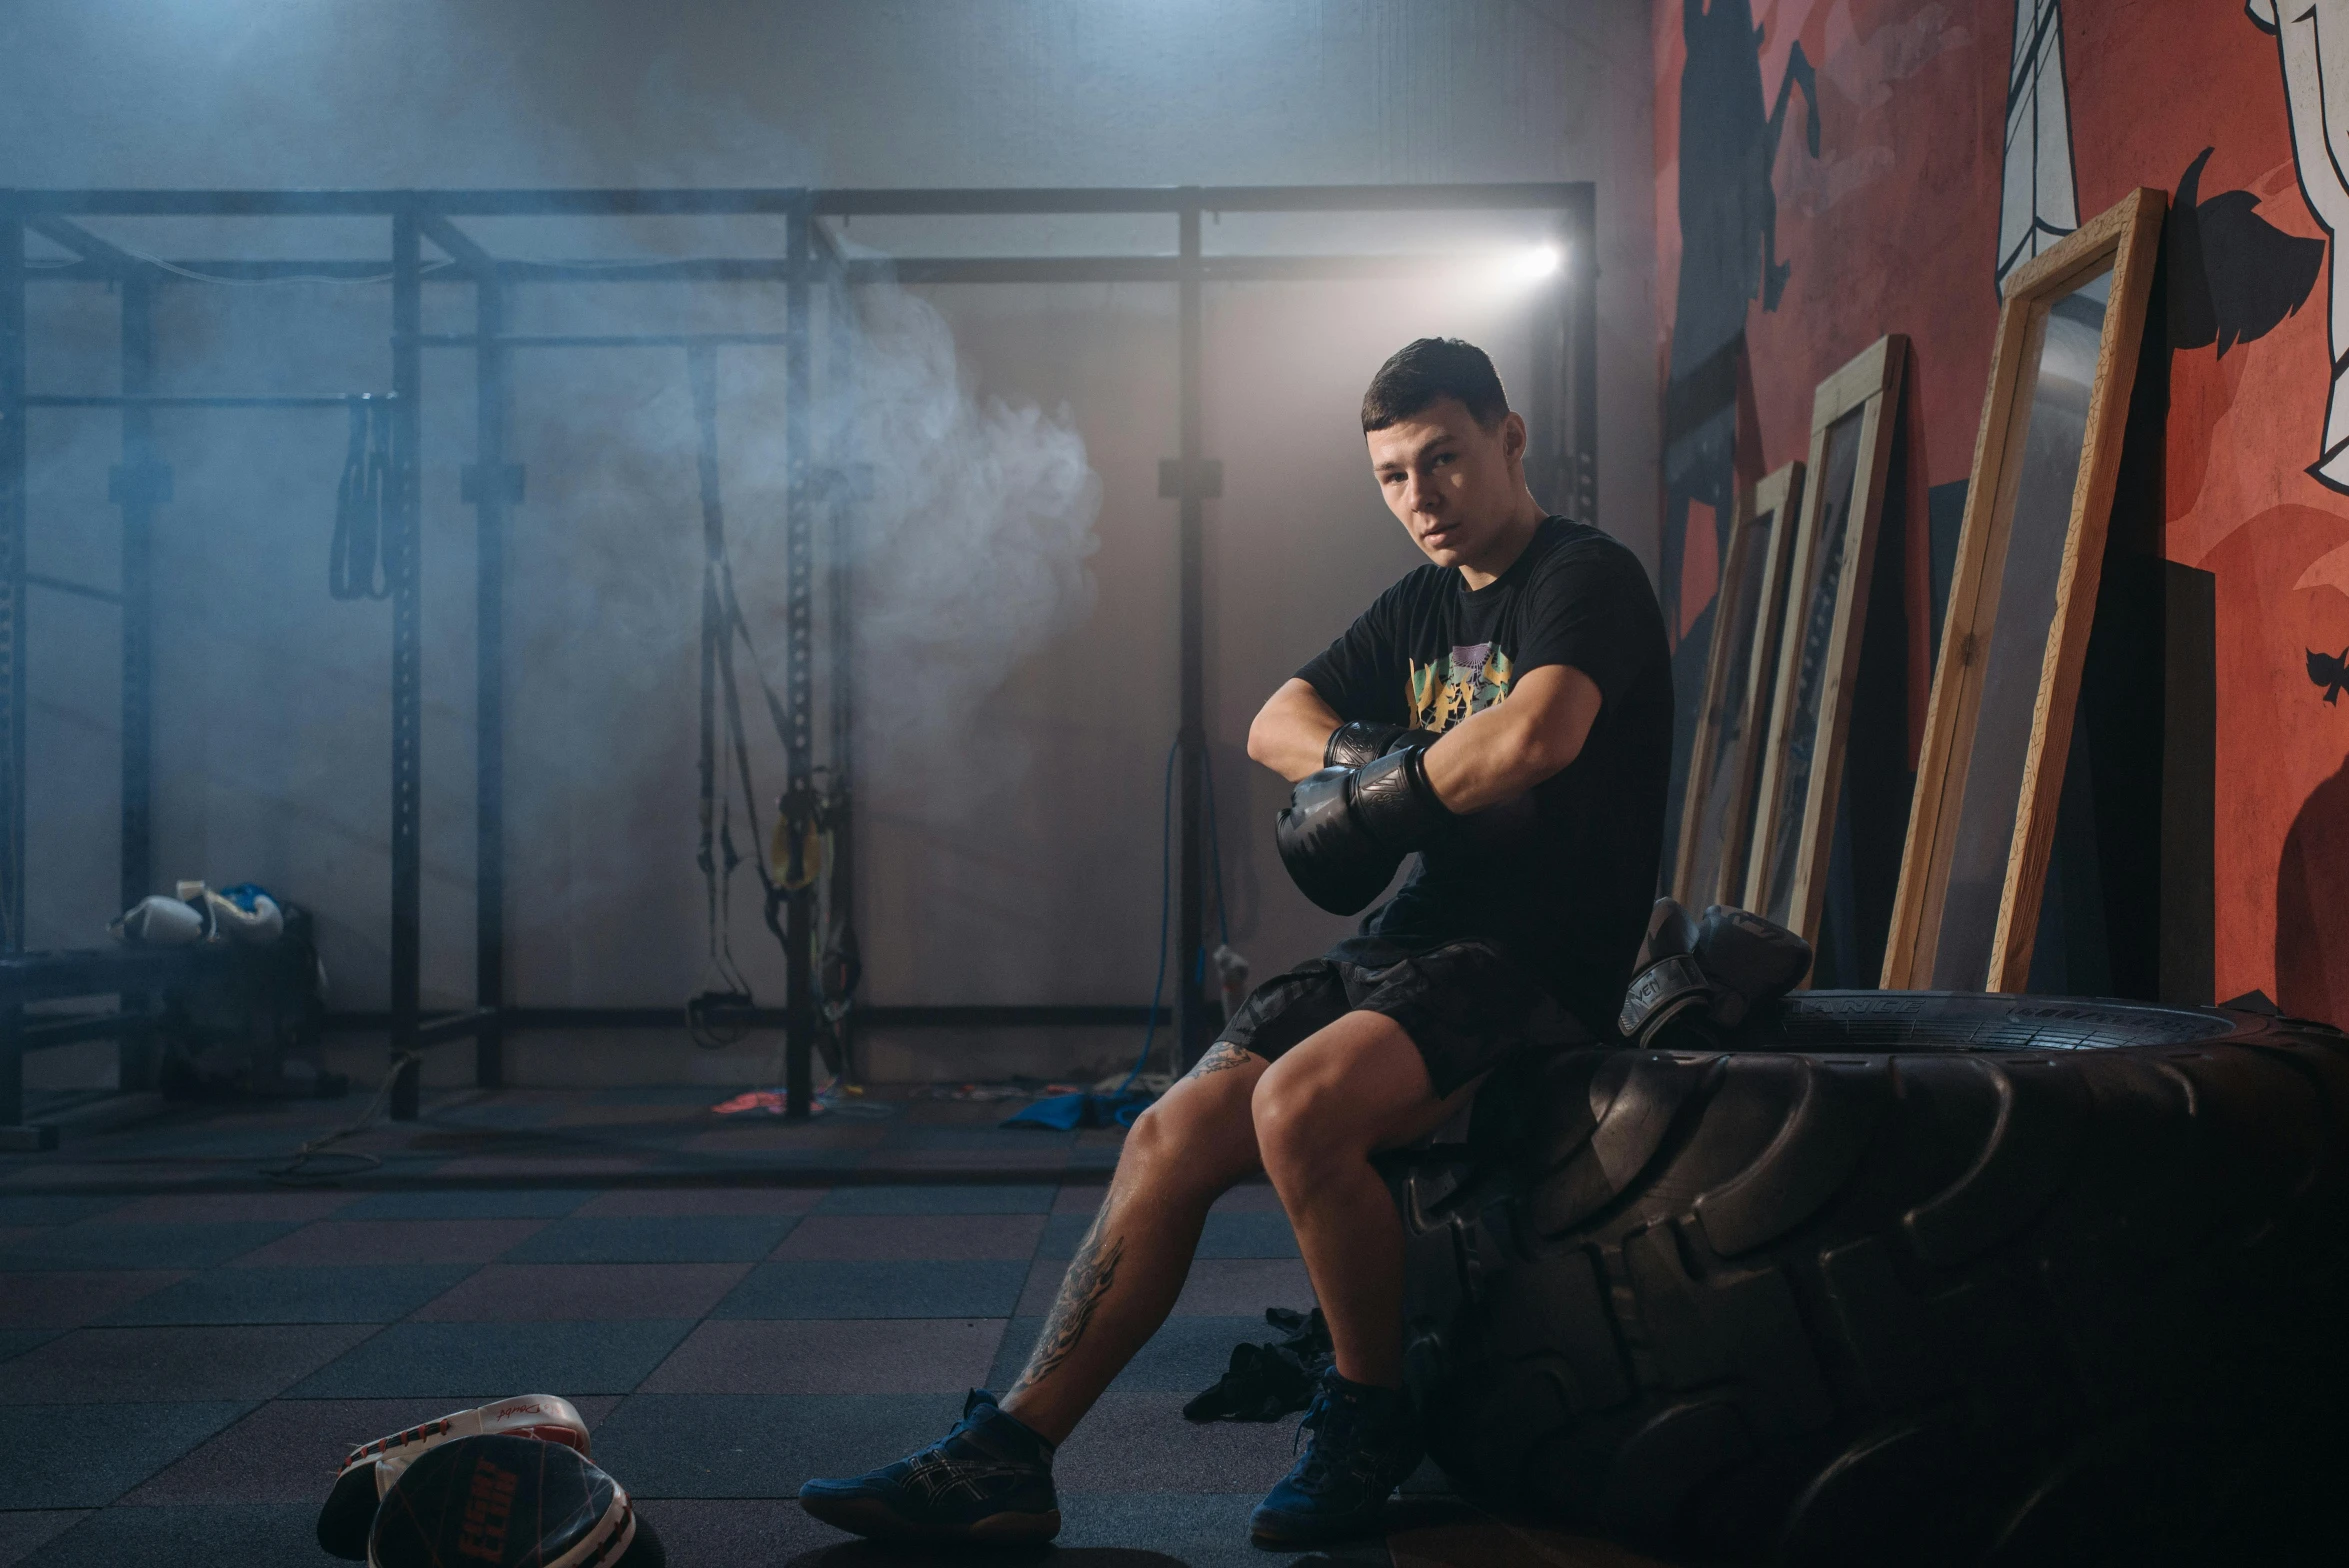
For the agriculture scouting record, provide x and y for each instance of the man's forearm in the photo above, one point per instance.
(1499, 753)
(1292, 730)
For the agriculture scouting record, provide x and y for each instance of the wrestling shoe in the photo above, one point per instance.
(1365, 1440)
(988, 1481)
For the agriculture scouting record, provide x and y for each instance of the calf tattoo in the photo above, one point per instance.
(1220, 1057)
(1081, 1293)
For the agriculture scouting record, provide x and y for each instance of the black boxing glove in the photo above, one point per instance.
(1363, 740)
(1346, 829)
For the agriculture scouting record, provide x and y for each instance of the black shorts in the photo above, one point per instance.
(1466, 1005)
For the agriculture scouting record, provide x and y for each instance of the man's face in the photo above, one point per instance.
(1452, 483)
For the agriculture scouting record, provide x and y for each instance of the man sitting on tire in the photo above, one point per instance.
(1506, 713)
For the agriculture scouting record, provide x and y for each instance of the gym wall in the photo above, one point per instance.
(1945, 144)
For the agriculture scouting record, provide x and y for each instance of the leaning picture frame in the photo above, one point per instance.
(2022, 599)
(1716, 821)
(1852, 426)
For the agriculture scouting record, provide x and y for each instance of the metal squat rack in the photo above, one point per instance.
(1563, 402)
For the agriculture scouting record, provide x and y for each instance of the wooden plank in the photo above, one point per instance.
(1953, 709)
(1781, 494)
(1771, 498)
(2134, 225)
(1708, 733)
(1951, 712)
(1877, 427)
(1859, 386)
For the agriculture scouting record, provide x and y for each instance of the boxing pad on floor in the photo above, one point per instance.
(369, 1470)
(509, 1502)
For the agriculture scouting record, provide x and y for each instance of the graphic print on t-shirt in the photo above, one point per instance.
(1464, 681)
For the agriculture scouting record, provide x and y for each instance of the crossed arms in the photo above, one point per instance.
(1490, 756)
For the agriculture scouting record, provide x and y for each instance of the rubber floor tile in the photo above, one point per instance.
(1216, 1287)
(559, 1292)
(542, 1167)
(378, 1293)
(1196, 1529)
(789, 1140)
(1248, 1236)
(940, 1198)
(1077, 1197)
(1184, 1356)
(1018, 1139)
(894, 1288)
(1044, 1164)
(21, 1531)
(700, 1095)
(72, 1299)
(79, 1175)
(469, 1203)
(1244, 1287)
(1141, 1443)
(217, 1208)
(286, 1451)
(635, 1116)
(748, 1532)
(685, 1238)
(55, 1210)
(942, 1237)
(85, 1456)
(1042, 1287)
(99, 1244)
(831, 1356)
(134, 1365)
(1249, 1197)
(750, 1202)
(762, 1445)
(447, 1359)
(331, 1242)
(231, 1535)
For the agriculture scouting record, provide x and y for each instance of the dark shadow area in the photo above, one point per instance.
(2312, 916)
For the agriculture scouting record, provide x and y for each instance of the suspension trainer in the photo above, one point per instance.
(799, 854)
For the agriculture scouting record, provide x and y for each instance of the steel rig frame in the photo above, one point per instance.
(1565, 400)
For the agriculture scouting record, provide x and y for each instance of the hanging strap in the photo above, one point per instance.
(354, 562)
(722, 624)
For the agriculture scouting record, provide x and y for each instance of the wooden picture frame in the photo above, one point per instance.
(1999, 722)
(1852, 427)
(1717, 812)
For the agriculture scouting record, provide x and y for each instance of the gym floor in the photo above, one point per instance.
(187, 1346)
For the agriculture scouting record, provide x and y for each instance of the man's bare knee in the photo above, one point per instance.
(1191, 1140)
(1303, 1120)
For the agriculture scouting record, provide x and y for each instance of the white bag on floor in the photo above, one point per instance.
(157, 921)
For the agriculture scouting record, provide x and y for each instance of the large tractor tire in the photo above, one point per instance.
(1904, 1278)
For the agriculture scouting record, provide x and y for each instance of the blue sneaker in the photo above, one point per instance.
(988, 1481)
(1365, 1441)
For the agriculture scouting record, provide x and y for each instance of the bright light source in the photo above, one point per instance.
(1539, 262)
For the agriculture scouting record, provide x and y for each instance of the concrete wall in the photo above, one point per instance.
(1010, 846)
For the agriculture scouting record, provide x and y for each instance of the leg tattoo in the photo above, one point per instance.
(1221, 1057)
(1081, 1292)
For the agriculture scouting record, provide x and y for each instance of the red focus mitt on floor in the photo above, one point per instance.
(371, 1468)
(509, 1502)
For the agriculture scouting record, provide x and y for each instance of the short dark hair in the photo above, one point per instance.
(1426, 370)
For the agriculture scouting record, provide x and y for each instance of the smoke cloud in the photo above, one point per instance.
(969, 555)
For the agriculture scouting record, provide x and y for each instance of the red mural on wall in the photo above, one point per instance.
(1956, 138)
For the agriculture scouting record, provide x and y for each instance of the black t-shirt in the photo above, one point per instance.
(1563, 877)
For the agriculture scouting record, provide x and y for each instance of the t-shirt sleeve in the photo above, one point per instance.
(1361, 675)
(1594, 610)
